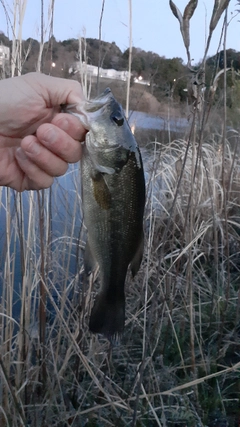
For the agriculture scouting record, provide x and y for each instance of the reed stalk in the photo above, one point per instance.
(129, 58)
(100, 44)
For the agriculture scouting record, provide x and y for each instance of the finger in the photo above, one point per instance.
(55, 90)
(42, 157)
(59, 142)
(35, 178)
(71, 125)
(9, 142)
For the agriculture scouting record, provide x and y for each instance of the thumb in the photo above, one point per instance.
(57, 91)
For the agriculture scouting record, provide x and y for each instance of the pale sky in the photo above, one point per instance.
(154, 26)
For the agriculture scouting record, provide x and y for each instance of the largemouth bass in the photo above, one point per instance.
(113, 192)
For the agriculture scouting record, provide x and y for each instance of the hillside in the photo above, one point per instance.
(159, 71)
(167, 77)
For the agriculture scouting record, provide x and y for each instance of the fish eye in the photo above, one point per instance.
(118, 121)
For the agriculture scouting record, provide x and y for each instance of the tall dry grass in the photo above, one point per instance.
(178, 362)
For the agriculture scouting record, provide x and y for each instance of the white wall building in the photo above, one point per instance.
(92, 70)
(4, 55)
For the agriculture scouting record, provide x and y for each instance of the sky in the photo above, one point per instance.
(154, 27)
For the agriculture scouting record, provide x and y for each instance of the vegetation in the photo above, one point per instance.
(167, 77)
(178, 362)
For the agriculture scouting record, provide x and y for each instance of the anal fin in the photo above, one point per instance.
(89, 261)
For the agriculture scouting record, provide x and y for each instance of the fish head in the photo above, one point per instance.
(104, 117)
(109, 133)
(108, 123)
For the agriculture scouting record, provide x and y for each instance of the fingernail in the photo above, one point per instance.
(64, 124)
(33, 148)
(20, 154)
(49, 136)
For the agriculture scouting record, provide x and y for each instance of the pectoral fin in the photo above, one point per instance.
(101, 191)
(137, 259)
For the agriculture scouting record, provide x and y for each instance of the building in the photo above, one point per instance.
(92, 70)
(4, 55)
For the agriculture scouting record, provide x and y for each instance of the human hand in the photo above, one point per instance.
(37, 141)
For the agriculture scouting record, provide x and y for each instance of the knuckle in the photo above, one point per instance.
(41, 183)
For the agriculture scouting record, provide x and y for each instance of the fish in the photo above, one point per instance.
(113, 197)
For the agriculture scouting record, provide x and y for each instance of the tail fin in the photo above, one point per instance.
(107, 317)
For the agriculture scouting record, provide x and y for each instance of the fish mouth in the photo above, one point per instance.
(100, 101)
(88, 110)
(104, 95)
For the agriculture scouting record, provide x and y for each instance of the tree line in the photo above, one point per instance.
(166, 76)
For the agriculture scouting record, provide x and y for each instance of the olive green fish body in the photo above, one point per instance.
(113, 211)
(113, 191)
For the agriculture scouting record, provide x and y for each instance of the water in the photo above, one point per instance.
(63, 222)
(145, 121)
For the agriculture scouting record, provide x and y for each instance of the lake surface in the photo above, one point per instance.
(145, 121)
(19, 214)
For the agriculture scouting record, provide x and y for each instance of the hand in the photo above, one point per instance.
(37, 141)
